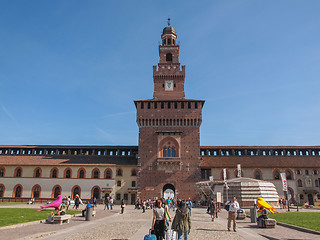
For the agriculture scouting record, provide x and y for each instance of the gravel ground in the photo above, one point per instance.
(133, 225)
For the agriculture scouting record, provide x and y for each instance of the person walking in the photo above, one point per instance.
(232, 213)
(212, 209)
(182, 220)
(189, 205)
(158, 220)
(77, 201)
(143, 206)
(111, 203)
(106, 203)
(122, 206)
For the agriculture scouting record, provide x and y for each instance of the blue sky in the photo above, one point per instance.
(70, 70)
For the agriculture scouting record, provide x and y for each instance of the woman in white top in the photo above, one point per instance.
(158, 224)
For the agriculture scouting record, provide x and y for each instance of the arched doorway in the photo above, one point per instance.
(310, 199)
(169, 191)
(96, 192)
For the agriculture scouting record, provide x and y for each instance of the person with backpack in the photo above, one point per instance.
(77, 201)
(182, 220)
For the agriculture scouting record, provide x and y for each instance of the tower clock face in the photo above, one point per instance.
(169, 86)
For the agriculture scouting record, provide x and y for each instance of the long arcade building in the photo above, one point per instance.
(169, 157)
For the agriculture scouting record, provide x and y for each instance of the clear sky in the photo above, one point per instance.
(70, 70)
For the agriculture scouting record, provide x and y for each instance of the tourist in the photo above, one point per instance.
(173, 203)
(122, 206)
(212, 209)
(106, 203)
(169, 203)
(111, 203)
(143, 206)
(167, 214)
(189, 204)
(280, 202)
(182, 221)
(264, 215)
(62, 209)
(95, 201)
(77, 201)
(232, 213)
(158, 223)
(86, 208)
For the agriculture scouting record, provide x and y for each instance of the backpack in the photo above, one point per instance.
(227, 206)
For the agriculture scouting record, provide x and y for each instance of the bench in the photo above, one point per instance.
(266, 223)
(241, 216)
(59, 219)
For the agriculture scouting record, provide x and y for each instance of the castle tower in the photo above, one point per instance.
(169, 130)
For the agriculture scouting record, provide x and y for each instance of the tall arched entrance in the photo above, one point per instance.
(310, 199)
(168, 191)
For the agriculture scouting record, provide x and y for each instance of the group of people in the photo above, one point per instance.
(283, 203)
(161, 217)
(108, 203)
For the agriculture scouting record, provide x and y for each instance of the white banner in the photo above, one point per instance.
(239, 170)
(225, 177)
(284, 182)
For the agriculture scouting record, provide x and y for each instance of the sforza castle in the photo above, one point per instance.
(169, 157)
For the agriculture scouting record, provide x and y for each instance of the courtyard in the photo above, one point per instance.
(134, 224)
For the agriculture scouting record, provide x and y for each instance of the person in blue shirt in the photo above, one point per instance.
(84, 210)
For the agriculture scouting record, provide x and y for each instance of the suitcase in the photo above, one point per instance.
(150, 236)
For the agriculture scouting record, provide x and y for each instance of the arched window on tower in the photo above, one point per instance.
(169, 57)
(169, 148)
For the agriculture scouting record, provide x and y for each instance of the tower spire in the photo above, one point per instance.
(169, 21)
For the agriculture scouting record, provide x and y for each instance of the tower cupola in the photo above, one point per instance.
(168, 36)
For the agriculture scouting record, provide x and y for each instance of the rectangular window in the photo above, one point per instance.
(162, 105)
(205, 173)
(182, 105)
(175, 105)
(119, 183)
(155, 105)
(133, 184)
(125, 196)
(142, 105)
(118, 196)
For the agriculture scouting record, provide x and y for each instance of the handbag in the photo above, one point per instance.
(171, 235)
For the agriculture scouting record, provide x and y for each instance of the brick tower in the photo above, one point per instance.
(169, 129)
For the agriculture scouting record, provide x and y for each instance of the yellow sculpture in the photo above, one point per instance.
(262, 203)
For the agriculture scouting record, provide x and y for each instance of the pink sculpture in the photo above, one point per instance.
(54, 204)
